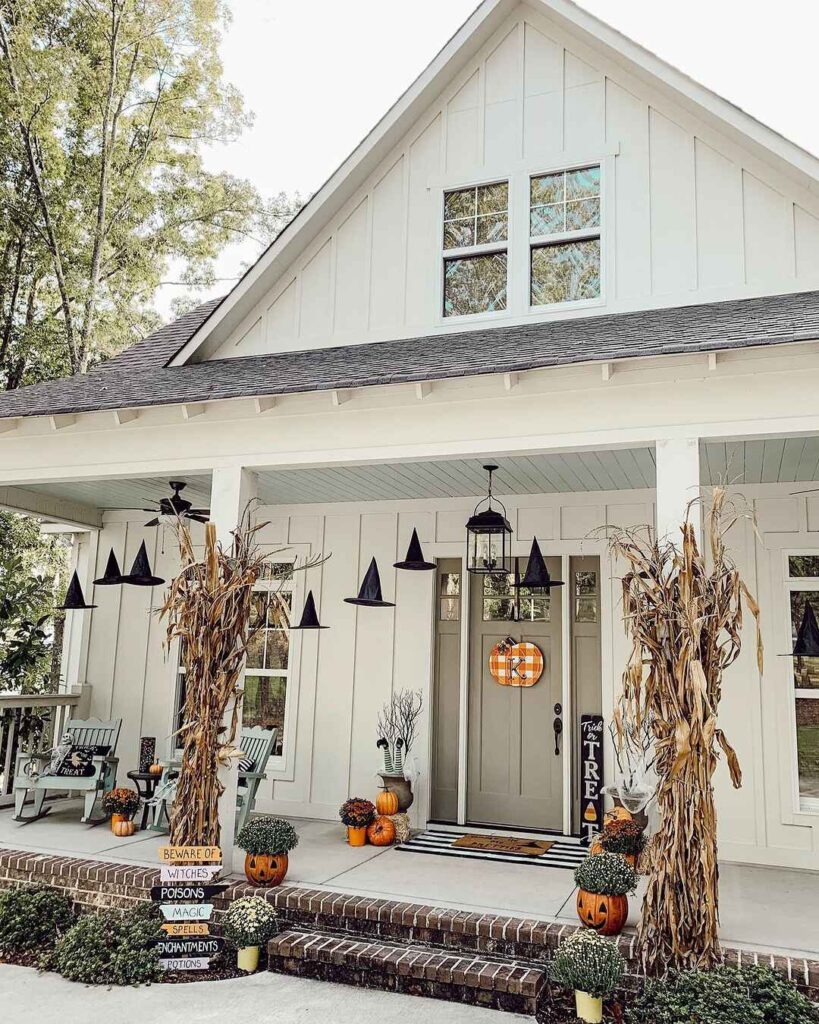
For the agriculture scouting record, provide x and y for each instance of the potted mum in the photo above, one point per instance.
(267, 841)
(248, 923)
(603, 883)
(122, 804)
(625, 837)
(356, 813)
(593, 967)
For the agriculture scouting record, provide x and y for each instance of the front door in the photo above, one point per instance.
(514, 775)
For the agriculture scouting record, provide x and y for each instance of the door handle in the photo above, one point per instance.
(557, 725)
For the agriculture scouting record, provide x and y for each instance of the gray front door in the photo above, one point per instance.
(514, 777)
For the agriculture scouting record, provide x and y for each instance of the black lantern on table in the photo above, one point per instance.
(488, 536)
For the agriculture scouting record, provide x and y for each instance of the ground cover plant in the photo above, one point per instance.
(109, 948)
(33, 918)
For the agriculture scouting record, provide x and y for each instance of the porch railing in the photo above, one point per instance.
(33, 722)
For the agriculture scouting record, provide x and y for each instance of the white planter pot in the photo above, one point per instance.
(589, 1008)
(247, 958)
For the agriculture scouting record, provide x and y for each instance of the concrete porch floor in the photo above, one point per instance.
(770, 909)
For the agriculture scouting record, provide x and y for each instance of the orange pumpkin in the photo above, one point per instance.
(386, 802)
(155, 768)
(123, 828)
(381, 832)
(616, 814)
(596, 847)
(605, 914)
(266, 869)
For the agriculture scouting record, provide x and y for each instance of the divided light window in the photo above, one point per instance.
(803, 589)
(476, 230)
(564, 235)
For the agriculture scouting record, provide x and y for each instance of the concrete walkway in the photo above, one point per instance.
(273, 998)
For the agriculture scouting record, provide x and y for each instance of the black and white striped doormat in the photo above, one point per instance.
(560, 854)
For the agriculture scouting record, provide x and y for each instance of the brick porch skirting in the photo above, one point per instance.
(95, 884)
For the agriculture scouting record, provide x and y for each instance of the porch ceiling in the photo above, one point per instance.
(133, 493)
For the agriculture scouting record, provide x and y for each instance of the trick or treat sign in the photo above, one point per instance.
(591, 776)
(184, 893)
(516, 664)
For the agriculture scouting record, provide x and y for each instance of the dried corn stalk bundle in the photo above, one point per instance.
(208, 607)
(684, 618)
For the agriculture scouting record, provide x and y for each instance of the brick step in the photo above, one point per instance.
(416, 970)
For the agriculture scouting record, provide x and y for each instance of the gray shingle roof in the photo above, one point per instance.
(140, 376)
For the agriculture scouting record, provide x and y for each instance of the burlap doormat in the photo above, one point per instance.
(504, 844)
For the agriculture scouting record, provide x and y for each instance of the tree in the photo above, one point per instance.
(105, 108)
(683, 615)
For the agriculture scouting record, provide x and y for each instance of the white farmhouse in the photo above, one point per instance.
(557, 255)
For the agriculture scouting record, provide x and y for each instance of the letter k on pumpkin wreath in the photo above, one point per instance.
(516, 664)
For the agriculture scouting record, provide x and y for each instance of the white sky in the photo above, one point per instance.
(319, 75)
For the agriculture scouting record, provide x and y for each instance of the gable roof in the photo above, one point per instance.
(464, 44)
(139, 377)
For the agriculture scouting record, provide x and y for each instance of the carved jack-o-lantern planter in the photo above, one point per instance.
(516, 664)
(381, 832)
(266, 869)
(605, 914)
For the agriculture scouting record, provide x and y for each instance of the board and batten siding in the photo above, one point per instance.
(341, 676)
(688, 215)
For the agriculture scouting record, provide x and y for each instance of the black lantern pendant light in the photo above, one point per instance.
(112, 575)
(415, 556)
(537, 576)
(807, 639)
(488, 537)
(74, 598)
(309, 617)
(370, 593)
(140, 574)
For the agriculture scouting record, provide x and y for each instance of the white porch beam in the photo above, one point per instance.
(193, 409)
(510, 381)
(51, 508)
(713, 360)
(607, 372)
(678, 484)
(339, 397)
(264, 404)
(422, 389)
(232, 488)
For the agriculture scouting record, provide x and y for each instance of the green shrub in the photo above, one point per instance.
(33, 918)
(726, 995)
(110, 949)
(606, 873)
(267, 835)
(589, 963)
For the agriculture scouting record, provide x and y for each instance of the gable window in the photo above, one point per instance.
(564, 236)
(476, 230)
(803, 590)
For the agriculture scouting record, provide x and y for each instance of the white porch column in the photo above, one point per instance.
(678, 483)
(231, 490)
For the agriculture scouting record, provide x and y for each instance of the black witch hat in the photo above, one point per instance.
(74, 597)
(112, 573)
(537, 575)
(140, 574)
(415, 556)
(807, 639)
(370, 592)
(309, 617)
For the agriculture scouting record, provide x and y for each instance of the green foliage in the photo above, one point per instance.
(589, 963)
(267, 835)
(33, 918)
(606, 873)
(33, 570)
(356, 812)
(105, 109)
(249, 922)
(110, 949)
(725, 995)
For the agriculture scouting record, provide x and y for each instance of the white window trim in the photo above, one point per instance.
(519, 243)
(801, 804)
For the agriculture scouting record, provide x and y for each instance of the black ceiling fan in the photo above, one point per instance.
(168, 509)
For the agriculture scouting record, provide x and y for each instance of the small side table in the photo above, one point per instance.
(146, 785)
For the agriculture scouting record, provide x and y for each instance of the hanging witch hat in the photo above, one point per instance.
(140, 574)
(370, 592)
(537, 575)
(415, 556)
(309, 617)
(807, 639)
(74, 598)
(112, 575)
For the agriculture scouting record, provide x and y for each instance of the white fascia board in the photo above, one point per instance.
(50, 508)
(338, 188)
(10, 424)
